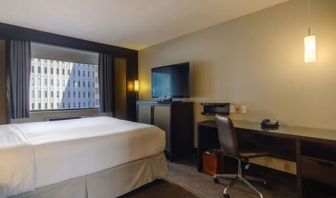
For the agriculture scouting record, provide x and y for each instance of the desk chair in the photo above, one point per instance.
(228, 139)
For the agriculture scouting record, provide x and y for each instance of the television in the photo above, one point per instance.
(170, 81)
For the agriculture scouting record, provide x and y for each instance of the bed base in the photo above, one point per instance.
(108, 183)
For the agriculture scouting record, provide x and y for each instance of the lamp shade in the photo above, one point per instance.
(136, 85)
(310, 49)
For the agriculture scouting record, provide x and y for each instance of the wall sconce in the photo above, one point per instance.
(133, 85)
(136, 85)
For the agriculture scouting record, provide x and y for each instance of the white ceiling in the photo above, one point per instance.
(133, 24)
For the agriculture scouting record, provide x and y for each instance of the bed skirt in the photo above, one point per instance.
(108, 183)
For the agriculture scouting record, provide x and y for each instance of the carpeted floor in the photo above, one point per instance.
(160, 188)
(185, 182)
(202, 185)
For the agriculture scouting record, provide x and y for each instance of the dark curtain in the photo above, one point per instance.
(20, 66)
(105, 67)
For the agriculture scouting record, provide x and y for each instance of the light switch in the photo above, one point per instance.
(243, 109)
(232, 108)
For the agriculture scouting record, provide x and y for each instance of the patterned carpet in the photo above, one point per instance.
(185, 182)
(185, 175)
(160, 189)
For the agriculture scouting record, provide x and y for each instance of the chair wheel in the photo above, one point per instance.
(267, 186)
(216, 180)
(226, 196)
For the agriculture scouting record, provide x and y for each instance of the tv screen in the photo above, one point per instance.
(171, 81)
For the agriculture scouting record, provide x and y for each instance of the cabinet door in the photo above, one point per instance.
(162, 120)
(144, 114)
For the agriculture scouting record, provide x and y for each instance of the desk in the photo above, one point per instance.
(313, 150)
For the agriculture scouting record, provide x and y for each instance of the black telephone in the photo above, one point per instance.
(272, 124)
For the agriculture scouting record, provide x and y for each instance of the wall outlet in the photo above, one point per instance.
(239, 109)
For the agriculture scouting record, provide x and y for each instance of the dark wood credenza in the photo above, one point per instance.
(313, 151)
(176, 119)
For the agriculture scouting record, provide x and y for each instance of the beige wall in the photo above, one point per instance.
(257, 60)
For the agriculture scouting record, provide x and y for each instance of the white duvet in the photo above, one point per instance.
(34, 155)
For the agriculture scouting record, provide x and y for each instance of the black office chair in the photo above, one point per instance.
(229, 144)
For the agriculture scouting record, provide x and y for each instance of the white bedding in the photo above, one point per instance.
(72, 148)
(16, 162)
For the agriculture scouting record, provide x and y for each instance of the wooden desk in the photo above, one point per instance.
(313, 150)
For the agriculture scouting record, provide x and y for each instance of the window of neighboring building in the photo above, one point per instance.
(62, 87)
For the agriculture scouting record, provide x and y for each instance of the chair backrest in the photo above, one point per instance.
(227, 136)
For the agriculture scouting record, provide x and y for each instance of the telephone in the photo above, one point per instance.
(267, 123)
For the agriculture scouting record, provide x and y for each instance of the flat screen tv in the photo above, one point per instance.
(171, 81)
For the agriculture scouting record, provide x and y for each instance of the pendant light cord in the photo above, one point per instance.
(308, 13)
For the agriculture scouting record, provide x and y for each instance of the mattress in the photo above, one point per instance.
(62, 150)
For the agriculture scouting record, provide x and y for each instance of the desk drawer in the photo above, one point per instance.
(319, 170)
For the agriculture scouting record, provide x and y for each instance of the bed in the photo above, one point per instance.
(88, 157)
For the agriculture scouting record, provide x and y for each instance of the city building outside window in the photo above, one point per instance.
(64, 77)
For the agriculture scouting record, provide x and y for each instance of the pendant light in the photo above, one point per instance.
(309, 43)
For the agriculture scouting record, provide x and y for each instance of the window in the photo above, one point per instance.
(68, 88)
